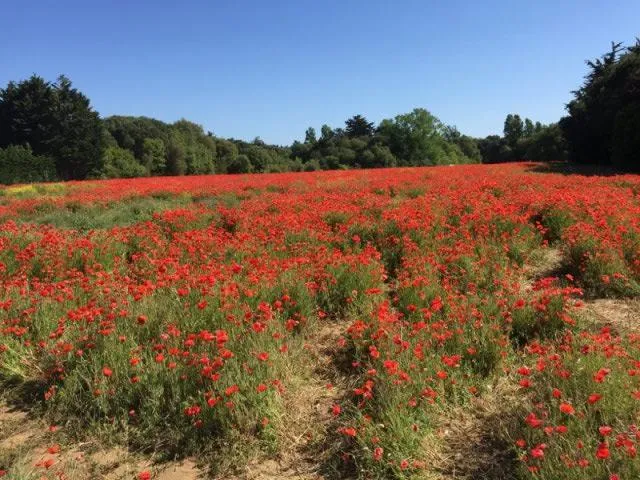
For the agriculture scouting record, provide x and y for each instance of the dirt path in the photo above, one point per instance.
(309, 419)
(623, 315)
(32, 449)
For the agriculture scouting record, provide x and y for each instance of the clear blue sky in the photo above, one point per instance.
(246, 68)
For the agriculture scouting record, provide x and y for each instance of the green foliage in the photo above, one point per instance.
(524, 141)
(468, 145)
(176, 163)
(513, 129)
(240, 164)
(310, 136)
(546, 144)
(411, 136)
(626, 137)
(602, 122)
(56, 120)
(120, 163)
(18, 164)
(358, 126)
(154, 156)
(199, 149)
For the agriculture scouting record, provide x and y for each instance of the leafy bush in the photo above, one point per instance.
(18, 164)
(120, 163)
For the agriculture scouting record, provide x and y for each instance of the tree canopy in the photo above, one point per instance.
(56, 121)
(603, 121)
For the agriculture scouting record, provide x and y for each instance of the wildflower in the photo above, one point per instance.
(605, 430)
(231, 390)
(593, 398)
(377, 453)
(601, 375)
(53, 449)
(538, 452)
(349, 431)
(603, 451)
(567, 408)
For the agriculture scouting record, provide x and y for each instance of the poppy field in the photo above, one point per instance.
(377, 324)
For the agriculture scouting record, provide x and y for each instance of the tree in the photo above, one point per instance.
(27, 114)
(326, 133)
(310, 136)
(199, 149)
(469, 148)
(241, 164)
(18, 164)
(176, 164)
(411, 137)
(259, 158)
(131, 132)
(154, 156)
(529, 128)
(358, 126)
(120, 163)
(602, 122)
(546, 145)
(494, 149)
(227, 152)
(56, 120)
(513, 129)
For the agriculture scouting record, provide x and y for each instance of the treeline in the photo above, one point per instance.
(49, 131)
(524, 140)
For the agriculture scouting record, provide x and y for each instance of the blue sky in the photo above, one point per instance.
(246, 68)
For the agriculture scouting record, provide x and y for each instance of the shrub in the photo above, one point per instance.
(18, 164)
(120, 163)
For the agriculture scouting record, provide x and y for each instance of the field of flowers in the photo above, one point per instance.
(368, 324)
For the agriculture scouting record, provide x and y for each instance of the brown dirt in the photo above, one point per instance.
(546, 262)
(623, 315)
(186, 470)
(469, 445)
(25, 443)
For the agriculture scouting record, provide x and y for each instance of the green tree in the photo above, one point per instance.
(18, 164)
(358, 126)
(199, 149)
(326, 133)
(529, 128)
(227, 152)
(120, 163)
(602, 122)
(154, 156)
(513, 129)
(412, 137)
(240, 164)
(546, 145)
(56, 120)
(310, 136)
(494, 149)
(176, 163)
(259, 158)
